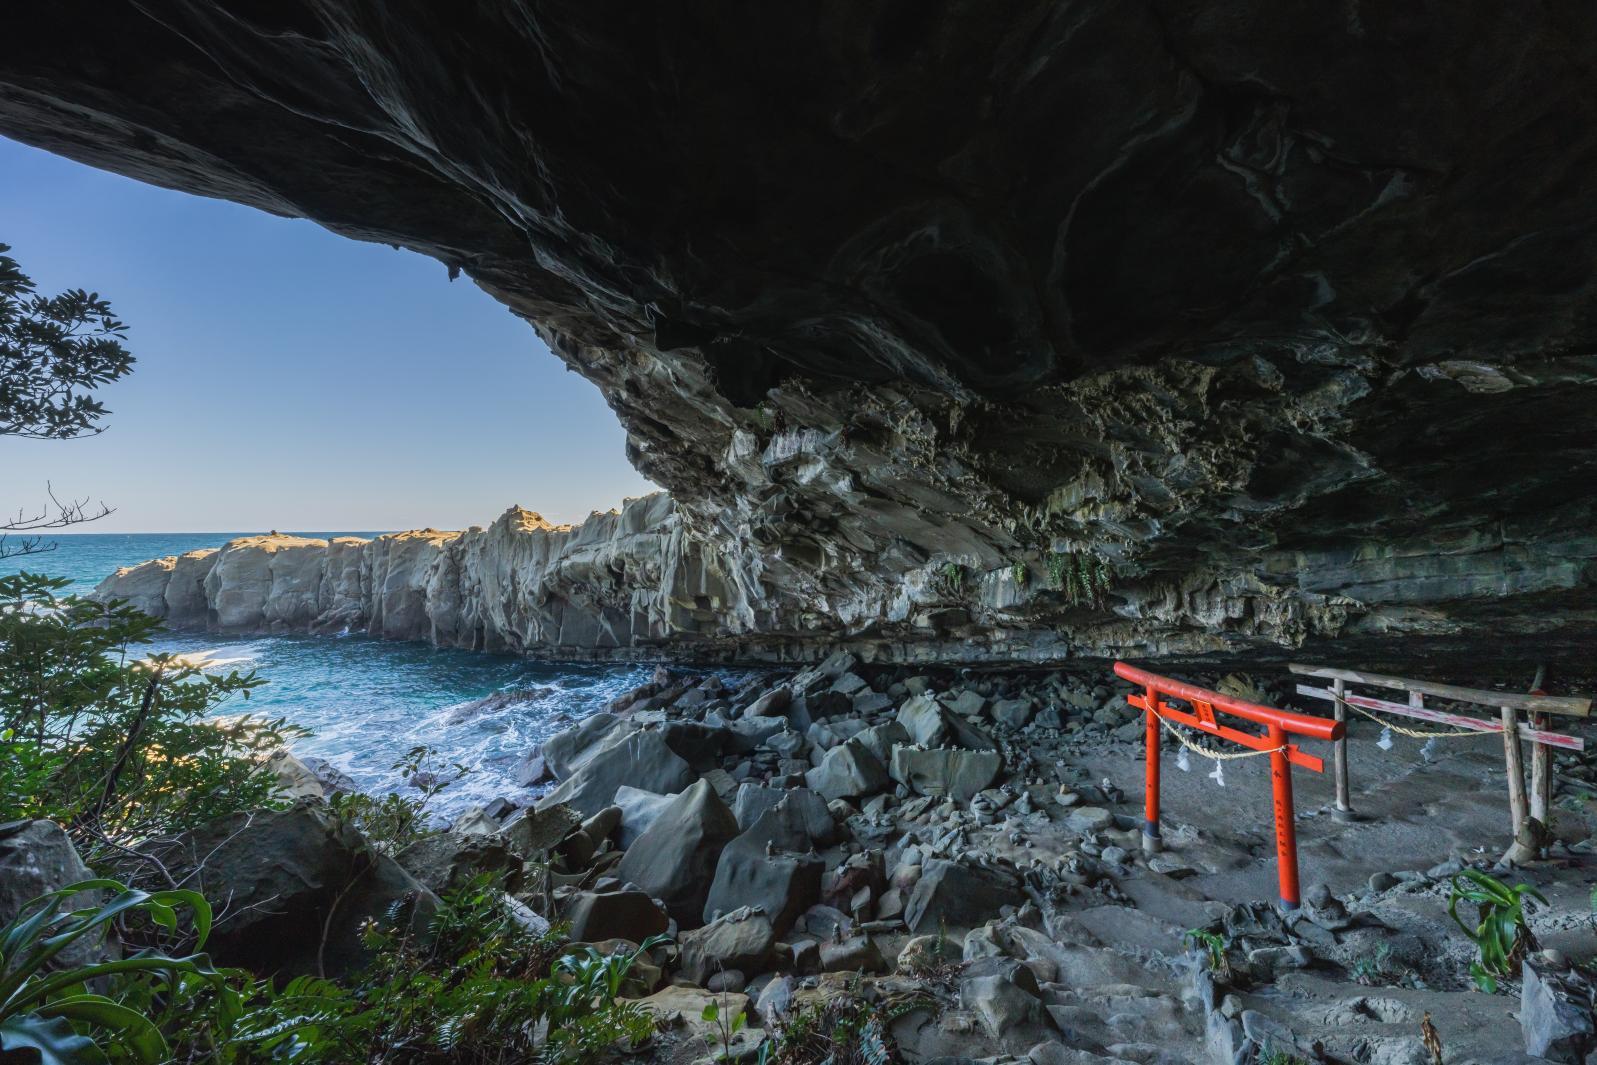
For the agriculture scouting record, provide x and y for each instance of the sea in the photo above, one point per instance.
(368, 702)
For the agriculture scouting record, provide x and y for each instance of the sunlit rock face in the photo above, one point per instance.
(1281, 315)
(625, 582)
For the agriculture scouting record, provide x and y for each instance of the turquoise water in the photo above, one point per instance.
(369, 701)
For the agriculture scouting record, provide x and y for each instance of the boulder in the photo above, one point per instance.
(288, 877)
(535, 831)
(475, 821)
(772, 704)
(1013, 713)
(446, 860)
(1555, 1014)
(855, 954)
(966, 703)
(640, 759)
(742, 939)
(930, 724)
(849, 770)
(946, 771)
(958, 895)
(632, 915)
(881, 739)
(675, 859)
(783, 885)
(566, 752)
(37, 857)
(295, 779)
(752, 801)
(639, 808)
(1005, 997)
(531, 770)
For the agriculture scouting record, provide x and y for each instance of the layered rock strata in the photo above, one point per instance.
(1269, 320)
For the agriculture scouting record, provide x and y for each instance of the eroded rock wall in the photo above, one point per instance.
(1280, 314)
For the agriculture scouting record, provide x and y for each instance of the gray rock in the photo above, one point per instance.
(869, 702)
(566, 752)
(752, 801)
(952, 772)
(881, 739)
(1004, 996)
(771, 865)
(532, 770)
(1555, 1014)
(855, 954)
(640, 759)
(1014, 713)
(775, 1001)
(771, 704)
(631, 915)
(283, 872)
(742, 939)
(1090, 819)
(850, 684)
(447, 860)
(849, 770)
(783, 885)
(958, 895)
(675, 859)
(967, 703)
(37, 857)
(534, 832)
(639, 808)
(930, 724)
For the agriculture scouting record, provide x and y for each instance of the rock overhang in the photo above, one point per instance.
(1283, 313)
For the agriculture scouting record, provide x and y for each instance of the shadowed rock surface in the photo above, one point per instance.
(1264, 323)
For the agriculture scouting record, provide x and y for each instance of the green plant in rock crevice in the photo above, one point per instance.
(1019, 574)
(1501, 935)
(951, 579)
(1082, 576)
(1214, 949)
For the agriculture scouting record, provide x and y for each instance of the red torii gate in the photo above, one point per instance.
(1278, 724)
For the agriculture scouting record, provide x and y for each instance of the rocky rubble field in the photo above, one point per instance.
(954, 861)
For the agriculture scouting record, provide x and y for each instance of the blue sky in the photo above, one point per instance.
(289, 378)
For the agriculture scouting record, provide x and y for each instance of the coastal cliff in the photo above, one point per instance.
(638, 583)
(621, 580)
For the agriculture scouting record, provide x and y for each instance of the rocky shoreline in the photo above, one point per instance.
(963, 850)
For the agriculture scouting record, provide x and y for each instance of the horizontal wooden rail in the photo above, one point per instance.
(1441, 717)
(1538, 704)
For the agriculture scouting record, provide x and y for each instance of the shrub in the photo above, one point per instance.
(391, 822)
(118, 749)
(477, 988)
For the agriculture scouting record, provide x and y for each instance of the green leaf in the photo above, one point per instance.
(132, 1029)
(53, 1039)
(711, 1012)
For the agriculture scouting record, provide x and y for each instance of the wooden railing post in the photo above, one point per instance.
(1344, 799)
(1516, 781)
